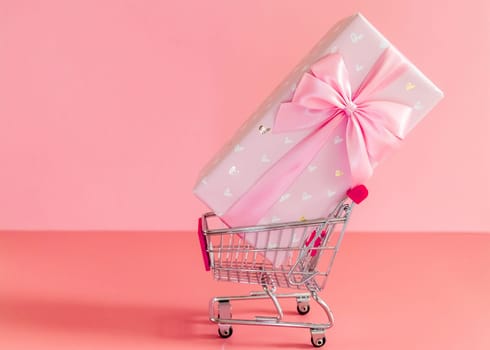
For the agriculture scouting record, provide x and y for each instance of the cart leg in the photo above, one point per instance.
(224, 313)
(324, 306)
(271, 293)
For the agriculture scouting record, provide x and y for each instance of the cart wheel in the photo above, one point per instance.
(225, 332)
(303, 308)
(318, 337)
(318, 342)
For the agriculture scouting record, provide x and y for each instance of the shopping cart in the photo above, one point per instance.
(309, 246)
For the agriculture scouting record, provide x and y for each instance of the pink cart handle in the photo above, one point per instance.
(204, 246)
(358, 193)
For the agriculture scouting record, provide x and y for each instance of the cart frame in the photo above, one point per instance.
(309, 251)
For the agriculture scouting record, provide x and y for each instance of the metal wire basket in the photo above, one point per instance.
(294, 255)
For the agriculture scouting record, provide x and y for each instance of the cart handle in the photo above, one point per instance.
(358, 193)
(204, 246)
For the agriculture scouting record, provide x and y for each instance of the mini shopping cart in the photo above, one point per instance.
(307, 252)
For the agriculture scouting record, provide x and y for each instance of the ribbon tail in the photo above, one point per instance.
(257, 201)
(359, 160)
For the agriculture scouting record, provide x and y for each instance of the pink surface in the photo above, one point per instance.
(108, 109)
(135, 290)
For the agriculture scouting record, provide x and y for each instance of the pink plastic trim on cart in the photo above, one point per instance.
(317, 243)
(204, 246)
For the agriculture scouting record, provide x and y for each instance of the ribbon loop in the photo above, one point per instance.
(373, 126)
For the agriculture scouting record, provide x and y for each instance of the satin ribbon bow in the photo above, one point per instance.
(322, 100)
(374, 126)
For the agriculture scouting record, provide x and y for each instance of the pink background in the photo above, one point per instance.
(108, 109)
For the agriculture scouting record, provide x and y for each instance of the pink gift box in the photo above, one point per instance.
(335, 117)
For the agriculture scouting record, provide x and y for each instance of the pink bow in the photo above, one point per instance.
(373, 126)
(321, 101)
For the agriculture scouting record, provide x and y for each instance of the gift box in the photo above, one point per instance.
(345, 107)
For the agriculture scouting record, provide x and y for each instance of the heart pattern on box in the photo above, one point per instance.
(238, 148)
(305, 196)
(265, 159)
(284, 197)
(356, 37)
(227, 192)
(263, 130)
(275, 219)
(409, 86)
(312, 168)
(233, 171)
(272, 245)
